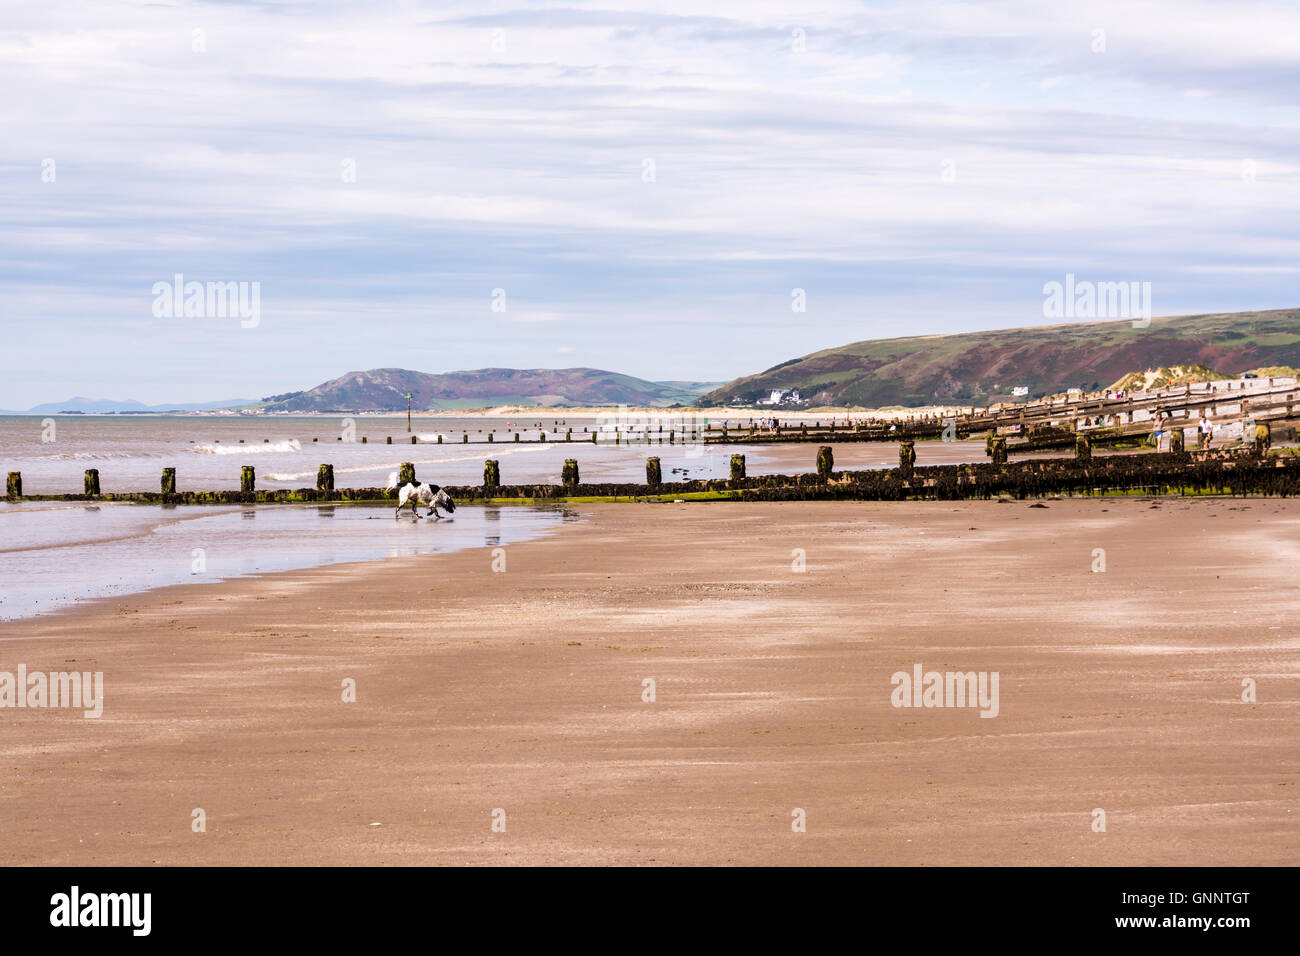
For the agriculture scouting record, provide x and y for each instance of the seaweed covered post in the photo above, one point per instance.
(999, 452)
(247, 480)
(14, 488)
(569, 476)
(1082, 447)
(92, 482)
(989, 439)
(169, 481)
(491, 475)
(906, 458)
(1263, 438)
(737, 468)
(654, 476)
(825, 462)
(325, 478)
(405, 474)
(1178, 440)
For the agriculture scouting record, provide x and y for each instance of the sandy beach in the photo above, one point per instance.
(522, 690)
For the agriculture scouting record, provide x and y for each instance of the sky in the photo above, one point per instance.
(674, 190)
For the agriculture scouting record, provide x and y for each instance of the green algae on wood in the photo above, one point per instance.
(825, 462)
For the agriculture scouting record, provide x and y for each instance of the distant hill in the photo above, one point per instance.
(102, 406)
(1168, 376)
(978, 368)
(384, 390)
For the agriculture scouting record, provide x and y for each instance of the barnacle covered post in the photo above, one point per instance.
(1263, 438)
(737, 468)
(405, 474)
(169, 481)
(906, 458)
(999, 452)
(491, 474)
(247, 480)
(325, 478)
(92, 481)
(825, 462)
(14, 488)
(1082, 447)
(569, 476)
(653, 475)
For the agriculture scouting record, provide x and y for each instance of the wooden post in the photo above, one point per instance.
(491, 474)
(1082, 447)
(325, 478)
(489, 438)
(825, 462)
(803, 430)
(247, 480)
(389, 440)
(405, 474)
(464, 439)
(999, 452)
(671, 432)
(1263, 438)
(92, 481)
(363, 439)
(568, 435)
(516, 436)
(906, 458)
(653, 475)
(569, 476)
(1177, 440)
(440, 439)
(737, 467)
(413, 439)
(169, 481)
(15, 485)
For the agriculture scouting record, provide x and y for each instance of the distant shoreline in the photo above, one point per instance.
(539, 412)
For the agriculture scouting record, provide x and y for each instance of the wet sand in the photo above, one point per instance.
(522, 690)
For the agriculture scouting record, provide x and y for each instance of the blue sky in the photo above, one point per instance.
(915, 167)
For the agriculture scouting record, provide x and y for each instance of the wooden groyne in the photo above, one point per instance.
(1245, 471)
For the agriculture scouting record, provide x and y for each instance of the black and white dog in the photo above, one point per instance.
(429, 495)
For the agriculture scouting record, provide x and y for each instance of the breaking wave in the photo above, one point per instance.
(266, 448)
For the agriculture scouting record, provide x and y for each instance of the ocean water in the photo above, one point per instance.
(207, 452)
(55, 555)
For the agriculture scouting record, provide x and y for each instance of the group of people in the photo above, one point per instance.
(1204, 429)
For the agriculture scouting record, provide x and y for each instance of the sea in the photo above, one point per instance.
(56, 555)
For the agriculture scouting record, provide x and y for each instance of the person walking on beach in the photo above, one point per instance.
(1157, 432)
(1206, 428)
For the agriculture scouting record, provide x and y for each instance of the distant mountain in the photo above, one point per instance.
(977, 368)
(384, 390)
(101, 406)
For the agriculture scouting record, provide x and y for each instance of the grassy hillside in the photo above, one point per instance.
(983, 367)
(385, 389)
